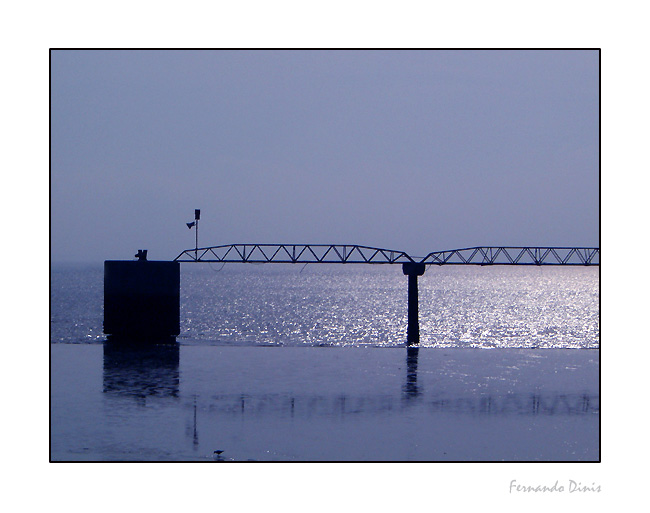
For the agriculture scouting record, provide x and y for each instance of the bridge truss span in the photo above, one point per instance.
(294, 254)
(493, 255)
(355, 254)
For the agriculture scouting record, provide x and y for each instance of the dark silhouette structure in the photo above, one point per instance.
(355, 254)
(141, 298)
(413, 270)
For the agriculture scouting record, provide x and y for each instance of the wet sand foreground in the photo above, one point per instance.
(182, 403)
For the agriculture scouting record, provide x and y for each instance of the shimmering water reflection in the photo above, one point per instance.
(342, 305)
(357, 305)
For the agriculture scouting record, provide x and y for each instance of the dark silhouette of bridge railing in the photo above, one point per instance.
(355, 254)
(294, 254)
(515, 256)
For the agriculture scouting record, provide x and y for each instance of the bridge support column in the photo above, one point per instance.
(413, 270)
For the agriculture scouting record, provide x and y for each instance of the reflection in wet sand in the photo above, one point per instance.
(153, 370)
(140, 372)
(308, 406)
(411, 387)
(183, 403)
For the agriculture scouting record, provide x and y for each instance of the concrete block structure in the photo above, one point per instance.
(141, 299)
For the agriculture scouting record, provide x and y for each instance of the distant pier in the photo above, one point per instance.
(142, 297)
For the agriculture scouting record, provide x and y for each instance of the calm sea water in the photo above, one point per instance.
(293, 363)
(239, 304)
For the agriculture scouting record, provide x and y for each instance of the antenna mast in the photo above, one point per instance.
(197, 216)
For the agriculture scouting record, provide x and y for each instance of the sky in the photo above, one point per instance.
(415, 151)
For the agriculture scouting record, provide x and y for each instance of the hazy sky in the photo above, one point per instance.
(408, 150)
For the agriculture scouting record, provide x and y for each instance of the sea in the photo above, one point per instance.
(281, 362)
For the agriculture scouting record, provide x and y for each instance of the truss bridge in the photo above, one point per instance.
(514, 256)
(294, 254)
(411, 266)
(355, 254)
